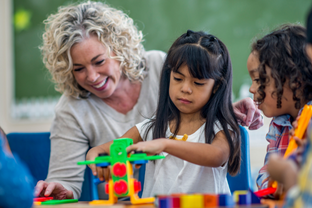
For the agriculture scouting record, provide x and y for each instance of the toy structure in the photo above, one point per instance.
(122, 183)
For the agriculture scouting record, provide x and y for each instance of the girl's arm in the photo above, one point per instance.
(94, 152)
(213, 155)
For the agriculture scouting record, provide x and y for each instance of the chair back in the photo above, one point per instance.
(33, 148)
(242, 181)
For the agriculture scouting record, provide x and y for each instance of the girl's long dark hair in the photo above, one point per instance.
(207, 58)
(284, 51)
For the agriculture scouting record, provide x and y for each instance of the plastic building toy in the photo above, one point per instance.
(265, 192)
(299, 131)
(245, 198)
(63, 201)
(41, 199)
(184, 138)
(192, 200)
(303, 122)
(122, 183)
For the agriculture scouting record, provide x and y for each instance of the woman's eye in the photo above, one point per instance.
(257, 80)
(78, 69)
(99, 62)
(177, 79)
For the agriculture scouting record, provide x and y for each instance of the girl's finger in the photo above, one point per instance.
(100, 173)
(93, 168)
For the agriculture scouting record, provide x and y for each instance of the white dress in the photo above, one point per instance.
(174, 175)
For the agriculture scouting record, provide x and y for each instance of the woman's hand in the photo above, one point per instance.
(150, 147)
(56, 190)
(247, 114)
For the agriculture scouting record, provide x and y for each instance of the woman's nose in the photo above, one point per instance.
(92, 74)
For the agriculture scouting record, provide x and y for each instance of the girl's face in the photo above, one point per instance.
(92, 68)
(189, 94)
(269, 104)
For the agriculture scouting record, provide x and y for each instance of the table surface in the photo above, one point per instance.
(121, 205)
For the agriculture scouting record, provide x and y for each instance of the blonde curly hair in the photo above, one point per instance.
(72, 24)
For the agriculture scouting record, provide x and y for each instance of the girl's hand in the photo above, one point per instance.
(101, 173)
(283, 171)
(300, 142)
(150, 147)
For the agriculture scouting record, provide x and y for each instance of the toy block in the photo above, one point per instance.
(97, 181)
(42, 199)
(211, 200)
(176, 200)
(237, 193)
(226, 200)
(164, 202)
(192, 201)
(301, 128)
(244, 199)
(63, 201)
(254, 198)
(264, 192)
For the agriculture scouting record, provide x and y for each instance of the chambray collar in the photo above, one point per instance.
(285, 120)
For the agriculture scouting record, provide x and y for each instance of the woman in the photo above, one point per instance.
(109, 83)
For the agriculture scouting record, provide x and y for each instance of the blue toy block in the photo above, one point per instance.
(244, 199)
(103, 164)
(139, 162)
(226, 200)
(254, 198)
(165, 202)
(97, 181)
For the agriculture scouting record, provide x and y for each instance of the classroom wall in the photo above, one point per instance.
(7, 76)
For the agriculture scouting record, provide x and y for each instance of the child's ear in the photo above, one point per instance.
(216, 86)
(309, 51)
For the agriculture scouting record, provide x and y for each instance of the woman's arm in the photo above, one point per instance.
(213, 155)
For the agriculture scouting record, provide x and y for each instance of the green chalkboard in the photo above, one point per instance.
(236, 23)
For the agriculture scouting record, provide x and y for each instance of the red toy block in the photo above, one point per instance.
(42, 199)
(137, 186)
(120, 187)
(119, 170)
(264, 192)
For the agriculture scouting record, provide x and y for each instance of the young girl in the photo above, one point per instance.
(282, 84)
(194, 99)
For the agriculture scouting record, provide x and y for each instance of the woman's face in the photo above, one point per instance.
(92, 68)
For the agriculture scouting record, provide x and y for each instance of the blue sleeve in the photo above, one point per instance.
(16, 182)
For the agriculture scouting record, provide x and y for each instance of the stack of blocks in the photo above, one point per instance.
(207, 200)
